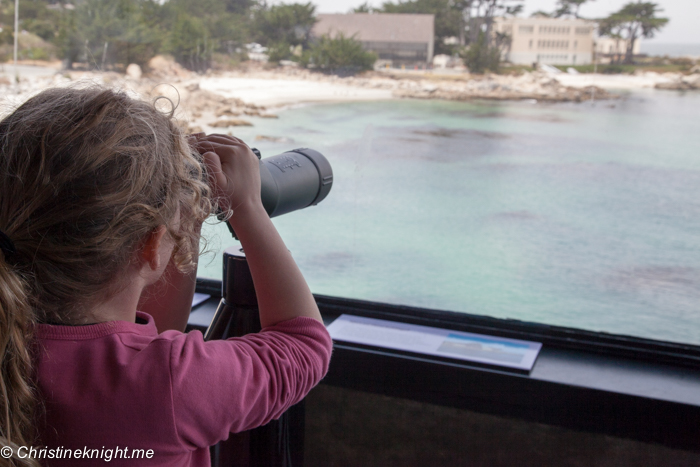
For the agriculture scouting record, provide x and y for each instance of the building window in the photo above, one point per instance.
(526, 29)
(545, 44)
(554, 30)
(583, 30)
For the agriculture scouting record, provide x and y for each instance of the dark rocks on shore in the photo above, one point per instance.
(560, 94)
(230, 122)
(685, 83)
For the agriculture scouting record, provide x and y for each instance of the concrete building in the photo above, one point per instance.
(397, 38)
(554, 41)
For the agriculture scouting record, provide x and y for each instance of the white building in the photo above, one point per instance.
(555, 41)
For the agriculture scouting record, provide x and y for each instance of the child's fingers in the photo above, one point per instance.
(217, 144)
(215, 173)
(220, 136)
(223, 140)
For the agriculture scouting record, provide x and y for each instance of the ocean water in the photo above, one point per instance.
(584, 215)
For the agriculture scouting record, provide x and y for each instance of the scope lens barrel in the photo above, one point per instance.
(294, 180)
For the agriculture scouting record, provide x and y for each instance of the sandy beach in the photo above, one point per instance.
(281, 92)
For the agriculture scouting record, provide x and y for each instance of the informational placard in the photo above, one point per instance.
(480, 348)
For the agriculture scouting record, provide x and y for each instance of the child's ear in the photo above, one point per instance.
(151, 248)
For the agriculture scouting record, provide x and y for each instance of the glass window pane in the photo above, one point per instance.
(583, 215)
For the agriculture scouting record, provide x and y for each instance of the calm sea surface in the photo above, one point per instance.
(583, 215)
(672, 50)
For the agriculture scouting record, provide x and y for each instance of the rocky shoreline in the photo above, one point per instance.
(681, 83)
(527, 86)
(546, 90)
(202, 107)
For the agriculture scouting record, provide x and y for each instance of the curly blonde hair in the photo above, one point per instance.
(85, 176)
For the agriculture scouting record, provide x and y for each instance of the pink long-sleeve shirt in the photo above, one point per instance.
(123, 385)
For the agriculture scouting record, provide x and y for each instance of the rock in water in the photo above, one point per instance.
(684, 83)
(693, 80)
(134, 71)
(230, 122)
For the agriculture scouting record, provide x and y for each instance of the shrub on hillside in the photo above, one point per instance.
(479, 57)
(339, 55)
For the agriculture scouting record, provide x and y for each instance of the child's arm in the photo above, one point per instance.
(234, 174)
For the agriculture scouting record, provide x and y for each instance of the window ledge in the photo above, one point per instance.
(617, 385)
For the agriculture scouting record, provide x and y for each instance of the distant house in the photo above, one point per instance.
(401, 39)
(608, 49)
(555, 41)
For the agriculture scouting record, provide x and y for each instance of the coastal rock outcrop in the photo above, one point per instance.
(133, 71)
(230, 122)
(536, 86)
(682, 83)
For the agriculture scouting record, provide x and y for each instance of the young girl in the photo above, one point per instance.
(101, 202)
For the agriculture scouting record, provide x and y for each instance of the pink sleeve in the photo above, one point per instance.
(219, 387)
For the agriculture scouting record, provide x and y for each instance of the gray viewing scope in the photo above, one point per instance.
(294, 180)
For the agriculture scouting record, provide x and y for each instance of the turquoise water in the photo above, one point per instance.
(583, 215)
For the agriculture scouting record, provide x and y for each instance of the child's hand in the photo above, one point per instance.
(234, 173)
(232, 168)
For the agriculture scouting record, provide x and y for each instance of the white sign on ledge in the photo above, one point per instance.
(480, 348)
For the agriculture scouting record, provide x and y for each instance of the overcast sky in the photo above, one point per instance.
(683, 28)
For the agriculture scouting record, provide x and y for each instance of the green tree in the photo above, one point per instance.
(284, 25)
(480, 58)
(105, 33)
(485, 47)
(240, 7)
(481, 15)
(569, 8)
(36, 18)
(633, 21)
(227, 24)
(190, 43)
(339, 55)
(67, 39)
(364, 8)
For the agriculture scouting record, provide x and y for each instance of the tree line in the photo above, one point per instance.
(110, 34)
(107, 34)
